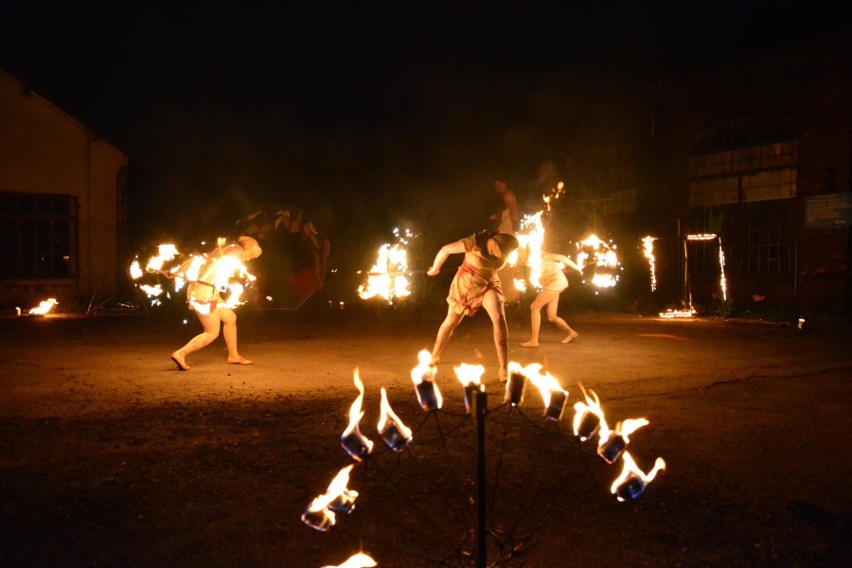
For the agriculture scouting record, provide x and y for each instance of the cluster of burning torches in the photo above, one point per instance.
(588, 422)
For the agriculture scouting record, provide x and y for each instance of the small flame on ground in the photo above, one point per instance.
(672, 314)
(359, 560)
(43, 307)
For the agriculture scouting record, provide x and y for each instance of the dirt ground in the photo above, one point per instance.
(109, 456)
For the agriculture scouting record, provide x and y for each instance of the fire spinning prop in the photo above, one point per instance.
(390, 277)
(44, 307)
(588, 421)
(598, 262)
(648, 251)
(231, 275)
(698, 238)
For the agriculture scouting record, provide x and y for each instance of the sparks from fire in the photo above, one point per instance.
(648, 251)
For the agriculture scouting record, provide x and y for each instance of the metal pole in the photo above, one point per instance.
(480, 409)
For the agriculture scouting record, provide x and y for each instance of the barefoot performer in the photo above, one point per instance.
(476, 285)
(204, 298)
(553, 282)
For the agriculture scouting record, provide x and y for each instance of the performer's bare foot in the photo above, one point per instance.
(179, 360)
(434, 361)
(529, 343)
(503, 376)
(239, 361)
(574, 335)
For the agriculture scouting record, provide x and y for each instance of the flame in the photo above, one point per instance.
(424, 372)
(359, 560)
(591, 406)
(136, 270)
(469, 374)
(43, 307)
(648, 250)
(723, 281)
(544, 381)
(624, 429)
(165, 253)
(388, 418)
(671, 314)
(593, 252)
(336, 488)
(389, 276)
(355, 416)
(530, 241)
(631, 469)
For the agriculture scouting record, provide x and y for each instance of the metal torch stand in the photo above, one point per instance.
(479, 410)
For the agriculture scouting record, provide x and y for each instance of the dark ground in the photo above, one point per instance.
(111, 457)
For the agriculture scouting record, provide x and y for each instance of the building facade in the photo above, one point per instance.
(62, 204)
(757, 153)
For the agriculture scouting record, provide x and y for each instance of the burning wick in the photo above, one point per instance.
(611, 446)
(396, 435)
(356, 444)
(470, 376)
(359, 560)
(320, 514)
(632, 482)
(552, 394)
(423, 376)
(516, 385)
(588, 416)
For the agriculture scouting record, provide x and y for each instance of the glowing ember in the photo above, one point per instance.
(44, 307)
(423, 376)
(359, 560)
(395, 434)
(600, 259)
(633, 481)
(389, 278)
(648, 251)
(470, 376)
(356, 444)
(320, 514)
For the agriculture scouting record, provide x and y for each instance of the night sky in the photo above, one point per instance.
(367, 115)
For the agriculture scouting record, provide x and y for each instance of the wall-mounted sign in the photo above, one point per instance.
(827, 211)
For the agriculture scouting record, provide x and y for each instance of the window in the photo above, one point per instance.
(36, 235)
(746, 161)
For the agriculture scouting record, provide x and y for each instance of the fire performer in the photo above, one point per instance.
(476, 285)
(205, 300)
(553, 282)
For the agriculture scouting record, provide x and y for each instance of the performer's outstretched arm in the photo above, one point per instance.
(456, 247)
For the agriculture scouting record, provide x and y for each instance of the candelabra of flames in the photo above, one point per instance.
(588, 422)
